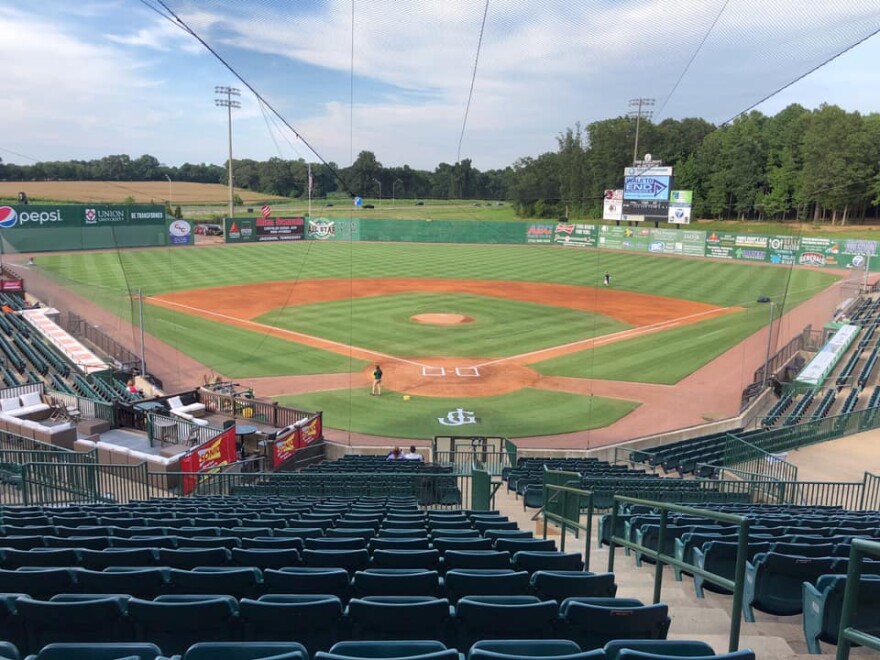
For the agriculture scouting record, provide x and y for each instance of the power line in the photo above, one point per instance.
(467, 108)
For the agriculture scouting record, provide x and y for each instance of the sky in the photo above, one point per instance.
(95, 77)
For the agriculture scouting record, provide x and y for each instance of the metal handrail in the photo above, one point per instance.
(551, 492)
(848, 635)
(736, 585)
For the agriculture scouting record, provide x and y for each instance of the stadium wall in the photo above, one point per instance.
(756, 248)
(49, 228)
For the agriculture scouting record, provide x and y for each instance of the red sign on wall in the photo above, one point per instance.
(294, 437)
(208, 457)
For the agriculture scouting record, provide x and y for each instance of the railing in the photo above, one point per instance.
(848, 635)
(88, 408)
(462, 460)
(635, 457)
(562, 505)
(176, 430)
(483, 490)
(748, 457)
(268, 412)
(18, 390)
(736, 585)
(800, 343)
(81, 329)
(76, 483)
(511, 450)
(871, 492)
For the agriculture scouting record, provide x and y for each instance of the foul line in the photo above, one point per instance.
(609, 339)
(317, 342)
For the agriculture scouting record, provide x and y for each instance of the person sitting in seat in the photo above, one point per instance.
(412, 454)
(395, 454)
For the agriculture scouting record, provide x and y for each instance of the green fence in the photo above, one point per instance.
(483, 490)
(562, 505)
(871, 492)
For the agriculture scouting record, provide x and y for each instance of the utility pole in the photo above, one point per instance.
(638, 111)
(227, 101)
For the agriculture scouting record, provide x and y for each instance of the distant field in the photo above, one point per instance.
(143, 192)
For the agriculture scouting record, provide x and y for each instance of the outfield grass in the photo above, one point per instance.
(499, 327)
(528, 412)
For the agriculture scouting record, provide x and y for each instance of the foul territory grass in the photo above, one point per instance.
(497, 327)
(528, 412)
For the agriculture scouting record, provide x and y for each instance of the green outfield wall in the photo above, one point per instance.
(47, 228)
(820, 252)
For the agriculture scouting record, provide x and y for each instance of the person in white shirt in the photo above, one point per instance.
(412, 454)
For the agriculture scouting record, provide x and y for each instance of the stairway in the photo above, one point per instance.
(708, 619)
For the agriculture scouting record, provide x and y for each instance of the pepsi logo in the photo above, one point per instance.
(8, 217)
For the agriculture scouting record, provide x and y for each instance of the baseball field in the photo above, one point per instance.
(513, 340)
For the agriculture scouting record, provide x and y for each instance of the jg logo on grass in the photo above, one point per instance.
(458, 417)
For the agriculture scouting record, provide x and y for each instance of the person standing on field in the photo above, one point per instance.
(607, 278)
(377, 381)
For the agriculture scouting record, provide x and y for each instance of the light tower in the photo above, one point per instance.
(639, 109)
(227, 101)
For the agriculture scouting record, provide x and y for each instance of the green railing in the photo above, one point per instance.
(483, 490)
(461, 460)
(562, 505)
(736, 585)
(636, 457)
(782, 439)
(511, 449)
(79, 483)
(88, 408)
(849, 635)
(871, 492)
(749, 457)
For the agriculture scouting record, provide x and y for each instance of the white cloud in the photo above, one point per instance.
(161, 35)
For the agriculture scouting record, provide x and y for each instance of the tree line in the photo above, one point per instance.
(818, 165)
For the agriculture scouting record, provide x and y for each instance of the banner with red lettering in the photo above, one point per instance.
(311, 431)
(285, 445)
(208, 457)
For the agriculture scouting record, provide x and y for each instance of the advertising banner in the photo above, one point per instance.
(285, 445)
(575, 234)
(720, 245)
(180, 232)
(326, 229)
(539, 233)
(208, 457)
(279, 229)
(783, 249)
(624, 238)
(311, 431)
(680, 203)
(612, 205)
(30, 216)
(646, 188)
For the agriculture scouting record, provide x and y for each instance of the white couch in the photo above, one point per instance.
(29, 406)
(188, 412)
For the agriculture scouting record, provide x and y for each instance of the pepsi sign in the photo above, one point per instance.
(8, 217)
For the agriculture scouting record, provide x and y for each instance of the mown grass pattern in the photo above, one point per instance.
(528, 412)
(499, 328)
(108, 277)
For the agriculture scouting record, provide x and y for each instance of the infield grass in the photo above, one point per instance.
(528, 412)
(498, 327)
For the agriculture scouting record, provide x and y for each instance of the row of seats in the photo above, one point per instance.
(350, 560)
(249, 581)
(502, 649)
(174, 622)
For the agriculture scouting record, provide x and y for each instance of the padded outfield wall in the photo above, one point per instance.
(52, 228)
(773, 249)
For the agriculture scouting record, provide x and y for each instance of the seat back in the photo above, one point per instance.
(398, 617)
(246, 651)
(503, 617)
(595, 622)
(396, 582)
(485, 582)
(560, 585)
(313, 620)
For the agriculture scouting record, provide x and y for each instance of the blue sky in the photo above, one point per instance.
(90, 78)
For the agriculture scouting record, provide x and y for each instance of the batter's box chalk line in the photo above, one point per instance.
(467, 372)
(433, 371)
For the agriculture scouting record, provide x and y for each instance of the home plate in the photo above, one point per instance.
(433, 371)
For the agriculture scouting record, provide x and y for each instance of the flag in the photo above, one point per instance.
(265, 210)
(311, 181)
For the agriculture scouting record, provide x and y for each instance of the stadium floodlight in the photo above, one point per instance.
(396, 181)
(765, 378)
(227, 101)
(639, 109)
(379, 183)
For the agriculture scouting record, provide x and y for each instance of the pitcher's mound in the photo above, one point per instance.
(442, 319)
